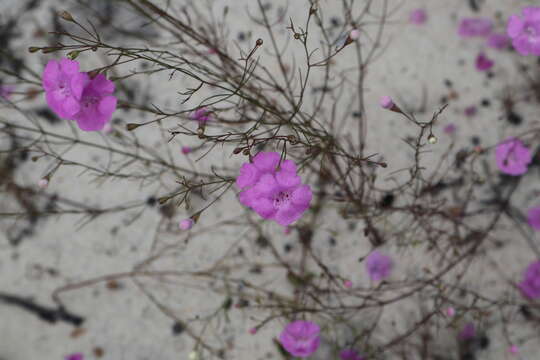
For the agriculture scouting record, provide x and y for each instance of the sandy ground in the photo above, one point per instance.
(125, 323)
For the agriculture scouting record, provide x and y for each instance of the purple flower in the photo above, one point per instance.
(498, 41)
(512, 157)
(97, 104)
(468, 332)
(449, 129)
(378, 265)
(77, 356)
(530, 286)
(273, 192)
(418, 16)
(533, 217)
(483, 63)
(470, 111)
(386, 102)
(525, 31)
(64, 84)
(201, 115)
(5, 91)
(349, 354)
(470, 27)
(300, 338)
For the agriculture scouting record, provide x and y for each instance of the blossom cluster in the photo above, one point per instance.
(525, 31)
(273, 189)
(74, 95)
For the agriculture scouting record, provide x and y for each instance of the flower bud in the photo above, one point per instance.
(432, 139)
(186, 224)
(43, 182)
(66, 16)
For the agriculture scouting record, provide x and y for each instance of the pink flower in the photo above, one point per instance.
(348, 284)
(468, 332)
(470, 27)
(513, 349)
(449, 129)
(349, 354)
(386, 102)
(378, 265)
(498, 41)
(483, 63)
(450, 312)
(512, 157)
(64, 84)
(273, 191)
(418, 16)
(186, 224)
(533, 217)
(186, 150)
(354, 34)
(201, 115)
(253, 330)
(97, 104)
(300, 338)
(5, 91)
(525, 31)
(470, 111)
(530, 285)
(77, 356)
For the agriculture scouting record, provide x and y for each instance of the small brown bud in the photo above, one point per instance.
(245, 152)
(72, 55)
(66, 16)
(296, 36)
(33, 49)
(49, 49)
(292, 139)
(383, 164)
(132, 126)
(238, 150)
(259, 42)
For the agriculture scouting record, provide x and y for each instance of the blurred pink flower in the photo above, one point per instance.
(471, 27)
(186, 150)
(273, 191)
(348, 284)
(6, 90)
(512, 157)
(378, 265)
(470, 111)
(418, 16)
(350, 354)
(186, 224)
(449, 129)
(533, 217)
(450, 312)
(97, 104)
(513, 349)
(525, 31)
(64, 84)
(530, 285)
(483, 63)
(77, 356)
(468, 332)
(201, 115)
(354, 34)
(300, 338)
(386, 102)
(498, 41)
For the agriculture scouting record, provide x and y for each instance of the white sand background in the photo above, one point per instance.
(125, 323)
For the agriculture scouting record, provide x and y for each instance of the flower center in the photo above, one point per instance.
(281, 199)
(88, 101)
(64, 89)
(531, 31)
